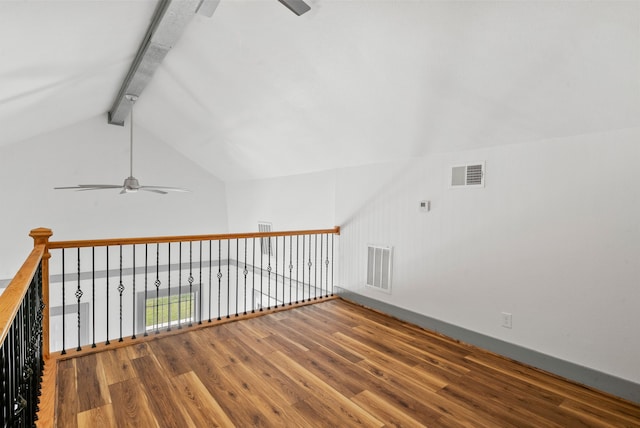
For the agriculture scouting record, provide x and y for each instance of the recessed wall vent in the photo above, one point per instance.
(379, 263)
(265, 243)
(471, 175)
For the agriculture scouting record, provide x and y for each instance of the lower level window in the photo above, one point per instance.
(165, 311)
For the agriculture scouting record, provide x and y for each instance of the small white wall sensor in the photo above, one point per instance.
(425, 206)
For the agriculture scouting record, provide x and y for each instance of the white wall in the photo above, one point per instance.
(553, 238)
(94, 152)
(296, 202)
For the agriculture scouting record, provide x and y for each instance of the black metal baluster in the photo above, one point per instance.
(310, 265)
(320, 264)
(261, 271)
(237, 258)
(36, 345)
(297, 266)
(157, 283)
(9, 370)
(245, 272)
(210, 272)
(19, 361)
(133, 285)
(190, 284)
(284, 268)
(19, 364)
(284, 261)
(326, 262)
(11, 389)
(200, 286)
(253, 276)
(169, 287)
(179, 286)
(30, 369)
(120, 290)
(93, 294)
(64, 345)
(38, 339)
(146, 278)
(219, 276)
(78, 295)
(333, 262)
(290, 269)
(41, 307)
(269, 276)
(27, 371)
(36, 342)
(315, 267)
(303, 259)
(108, 275)
(4, 383)
(228, 277)
(275, 293)
(321, 256)
(20, 403)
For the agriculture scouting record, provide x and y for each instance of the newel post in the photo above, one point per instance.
(41, 236)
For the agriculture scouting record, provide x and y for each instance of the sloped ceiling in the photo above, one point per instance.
(256, 91)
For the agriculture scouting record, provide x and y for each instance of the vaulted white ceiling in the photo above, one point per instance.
(256, 91)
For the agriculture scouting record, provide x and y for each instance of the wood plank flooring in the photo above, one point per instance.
(332, 364)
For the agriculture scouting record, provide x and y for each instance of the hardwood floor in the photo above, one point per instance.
(333, 364)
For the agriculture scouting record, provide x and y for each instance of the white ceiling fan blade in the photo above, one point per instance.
(101, 186)
(164, 189)
(90, 187)
(96, 188)
(162, 192)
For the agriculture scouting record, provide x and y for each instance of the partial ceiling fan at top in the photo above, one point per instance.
(131, 184)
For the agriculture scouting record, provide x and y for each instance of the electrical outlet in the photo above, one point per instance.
(506, 320)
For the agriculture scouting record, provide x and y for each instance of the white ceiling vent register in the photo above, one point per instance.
(471, 175)
(379, 261)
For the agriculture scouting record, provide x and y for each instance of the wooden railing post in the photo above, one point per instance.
(41, 236)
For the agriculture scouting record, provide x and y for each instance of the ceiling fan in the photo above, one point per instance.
(131, 184)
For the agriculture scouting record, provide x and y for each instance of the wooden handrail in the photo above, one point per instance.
(12, 297)
(165, 239)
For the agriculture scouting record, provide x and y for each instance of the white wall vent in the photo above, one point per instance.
(265, 243)
(471, 175)
(379, 263)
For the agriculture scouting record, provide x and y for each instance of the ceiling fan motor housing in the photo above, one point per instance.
(131, 184)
